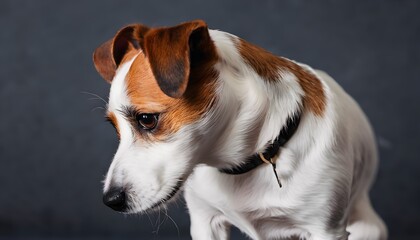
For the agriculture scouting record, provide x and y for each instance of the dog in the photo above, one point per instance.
(257, 141)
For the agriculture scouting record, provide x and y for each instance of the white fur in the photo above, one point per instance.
(326, 168)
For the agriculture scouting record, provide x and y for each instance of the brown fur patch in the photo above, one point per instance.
(173, 51)
(110, 54)
(268, 66)
(147, 97)
(172, 75)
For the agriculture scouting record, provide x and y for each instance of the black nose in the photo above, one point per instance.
(115, 199)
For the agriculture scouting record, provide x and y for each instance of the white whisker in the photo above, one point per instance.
(172, 220)
(96, 97)
(95, 108)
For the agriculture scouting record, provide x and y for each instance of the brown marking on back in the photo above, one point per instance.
(268, 66)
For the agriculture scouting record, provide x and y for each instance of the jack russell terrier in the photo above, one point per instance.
(261, 142)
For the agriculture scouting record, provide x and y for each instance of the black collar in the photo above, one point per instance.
(270, 152)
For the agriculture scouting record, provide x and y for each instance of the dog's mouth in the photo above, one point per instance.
(168, 197)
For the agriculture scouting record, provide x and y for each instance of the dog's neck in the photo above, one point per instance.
(250, 110)
(270, 153)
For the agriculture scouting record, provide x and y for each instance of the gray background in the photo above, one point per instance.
(55, 149)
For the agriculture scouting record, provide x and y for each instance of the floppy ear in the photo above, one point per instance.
(173, 51)
(109, 55)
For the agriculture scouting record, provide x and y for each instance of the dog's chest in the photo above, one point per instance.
(259, 202)
(254, 204)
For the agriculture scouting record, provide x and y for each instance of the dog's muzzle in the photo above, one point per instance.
(115, 198)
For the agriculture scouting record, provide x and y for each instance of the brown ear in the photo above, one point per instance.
(109, 55)
(173, 51)
(104, 62)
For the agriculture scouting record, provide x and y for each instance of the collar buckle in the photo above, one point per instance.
(261, 155)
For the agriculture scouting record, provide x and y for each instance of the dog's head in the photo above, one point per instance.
(162, 86)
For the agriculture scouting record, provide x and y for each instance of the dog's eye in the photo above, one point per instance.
(147, 121)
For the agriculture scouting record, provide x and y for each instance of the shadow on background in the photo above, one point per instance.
(55, 146)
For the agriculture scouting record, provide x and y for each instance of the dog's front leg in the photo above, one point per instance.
(206, 222)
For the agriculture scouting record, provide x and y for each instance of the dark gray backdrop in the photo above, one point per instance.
(55, 149)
